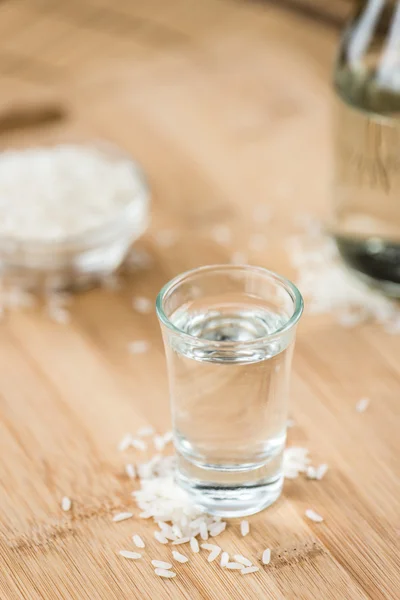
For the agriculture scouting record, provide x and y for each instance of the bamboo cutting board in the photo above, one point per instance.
(226, 105)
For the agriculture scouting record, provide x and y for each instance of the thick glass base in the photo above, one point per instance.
(237, 494)
(373, 260)
(388, 288)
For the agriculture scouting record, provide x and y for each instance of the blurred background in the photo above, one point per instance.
(224, 103)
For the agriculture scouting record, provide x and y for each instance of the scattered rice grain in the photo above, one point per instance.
(224, 559)
(313, 516)
(234, 566)
(221, 234)
(214, 554)
(66, 503)
(194, 544)
(160, 537)
(266, 556)
(125, 442)
(168, 437)
(203, 531)
(160, 564)
(165, 573)
(122, 516)
(130, 470)
(176, 530)
(138, 260)
(183, 540)
(210, 547)
(138, 347)
(217, 528)
(321, 471)
(146, 514)
(249, 570)
(129, 554)
(137, 540)
(238, 258)
(311, 472)
(362, 405)
(242, 560)
(138, 444)
(145, 431)
(295, 461)
(159, 443)
(244, 528)
(179, 557)
(58, 314)
(142, 305)
(111, 282)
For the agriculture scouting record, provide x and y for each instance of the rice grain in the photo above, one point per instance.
(221, 234)
(142, 305)
(160, 537)
(244, 528)
(130, 471)
(266, 556)
(203, 531)
(179, 557)
(313, 516)
(66, 504)
(214, 554)
(129, 554)
(217, 528)
(165, 573)
(138, 347)
(194, 544)
(234, 566)
(139, 444)
(122, 516)
(238, 258)
(184, 540)
(160, 564)
(137, 540)
(224, 559)
(242, 560)
(145, 431)
(159, 443)
(177, 532)
(249, 570)
(210, 547)
(311, 472)
(125, 442)
(362, 405)
(321, 471)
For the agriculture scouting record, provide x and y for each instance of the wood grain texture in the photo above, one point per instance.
(226, 105)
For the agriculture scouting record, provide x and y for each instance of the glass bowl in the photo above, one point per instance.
(92, 254)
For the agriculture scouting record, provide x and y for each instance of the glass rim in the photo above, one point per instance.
(290, 288)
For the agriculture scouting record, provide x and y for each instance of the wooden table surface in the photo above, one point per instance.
(226, 104)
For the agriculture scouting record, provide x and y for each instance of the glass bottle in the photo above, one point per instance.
(367, 144)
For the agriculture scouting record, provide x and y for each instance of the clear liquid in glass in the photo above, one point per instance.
(367, 144)
(229, 406)
(367, 185)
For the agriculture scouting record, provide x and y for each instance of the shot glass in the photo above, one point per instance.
(229, 333)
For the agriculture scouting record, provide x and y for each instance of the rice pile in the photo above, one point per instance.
(180, 524)
(330, 288)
